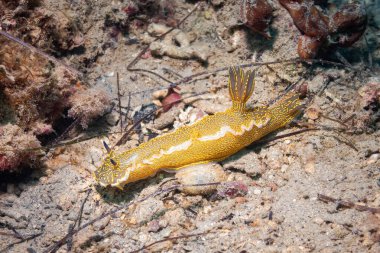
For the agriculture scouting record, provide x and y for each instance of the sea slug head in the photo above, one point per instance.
(115, 169)
(109, 173)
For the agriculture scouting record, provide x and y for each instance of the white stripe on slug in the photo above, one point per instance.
(227, 129)
(183, 146)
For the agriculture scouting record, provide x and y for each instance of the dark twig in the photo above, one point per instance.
(25, 238)
(119, 100)
(172, 72)
(78, 222)
(347, 204)
(269, 139)
(9, 226)
(10, 234)
(124, 137)
(128, 109)
(79, 218)
(335, 120)
(67, 131)
(332, 129)
(167, 239)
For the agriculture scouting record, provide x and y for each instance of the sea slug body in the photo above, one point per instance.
(212, 138)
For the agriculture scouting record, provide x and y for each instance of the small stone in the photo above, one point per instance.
(257, 191)
(284, 168)
(43, 180)
(163, 223)
(339, 232)
(318, 220)
(310, 167)
(373, 158)
(166, 119)
(153, 226)
(217, 2)
(232, 189)
(313, 113)
(256, 223)
(240, 200)
(145, 210)
(175, 217)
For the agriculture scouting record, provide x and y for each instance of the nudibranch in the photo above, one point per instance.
(212, 138)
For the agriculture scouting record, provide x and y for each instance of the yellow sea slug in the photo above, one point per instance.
(213, 138)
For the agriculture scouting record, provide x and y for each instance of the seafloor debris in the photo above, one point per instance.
(155, 11)
(171, 99)
(323, 31)
(231, 190)
(370, 94)
(32, 89)
(29, 20)
(89, 104)
(177, 44)
(369, 120)
(14, 145)
(257, 15)
(35, 95)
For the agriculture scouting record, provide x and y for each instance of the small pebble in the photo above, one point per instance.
(240, 200)
(310, 167)
(257, 191)
(318, 220)
(153, 226)
(373, 158)
(313, 113)
(284, 168)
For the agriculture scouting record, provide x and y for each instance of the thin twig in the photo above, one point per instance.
(14, 230)
(333, 129)
(335, 120)
(168, 239)
(67, 131)
(347, 204)
(77, 222)
(26, 238)
(119, 100)
(255, 144)
(172, 72)
(128, 109)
